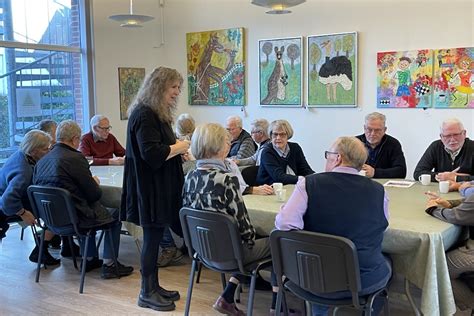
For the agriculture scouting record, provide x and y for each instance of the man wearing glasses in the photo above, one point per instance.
(242, 145)
(100, 144)
(451, 155)
(340, 202)
(386, 159)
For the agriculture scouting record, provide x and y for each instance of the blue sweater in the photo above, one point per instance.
(15, 177)
(273, 167)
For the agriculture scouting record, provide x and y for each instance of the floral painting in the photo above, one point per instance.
(280, 71)
(453, 79)
(332, 70)
(216, 67)
(404, 79)
(130, 80)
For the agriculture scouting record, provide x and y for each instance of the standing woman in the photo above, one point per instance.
(153, 176)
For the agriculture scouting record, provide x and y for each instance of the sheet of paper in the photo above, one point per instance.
(399, 183)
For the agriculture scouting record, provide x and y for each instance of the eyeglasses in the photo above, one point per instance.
(108, 128)
(451, 135)
(373, 130)
(282, 135)
(255, 132)
(326, 153)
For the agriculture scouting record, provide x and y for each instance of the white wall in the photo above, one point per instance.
(382, 25)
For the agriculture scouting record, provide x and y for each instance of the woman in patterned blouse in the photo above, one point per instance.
(211, 187)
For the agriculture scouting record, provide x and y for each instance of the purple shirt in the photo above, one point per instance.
(292, 212)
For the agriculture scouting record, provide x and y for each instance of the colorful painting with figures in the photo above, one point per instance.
(454, 78)
(130, 80)
(216, 67)
(404, 79)
(280, 71)
(332, 70)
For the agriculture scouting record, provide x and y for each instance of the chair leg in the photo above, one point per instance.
(71, 247)
(40, 257)
(84, 263)
(223, 281)
(199, 268)
(253, 280)
(100, 239)
(190, 287)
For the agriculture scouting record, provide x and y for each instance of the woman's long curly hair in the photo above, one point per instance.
(152, 90)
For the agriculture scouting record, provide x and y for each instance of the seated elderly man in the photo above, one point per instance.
(452, 154)
(100, 144)
(242, 145)
(49, 127)
(65, 167)
(341, 202)
(259, 133)
(15, 177)
(386, 159)
(460, 260)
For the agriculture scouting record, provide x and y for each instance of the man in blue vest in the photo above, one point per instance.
(343, 203)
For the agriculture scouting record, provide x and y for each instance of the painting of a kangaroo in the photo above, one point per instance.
(216, 69)
(280, 72)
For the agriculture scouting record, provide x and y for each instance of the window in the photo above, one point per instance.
(43, 63)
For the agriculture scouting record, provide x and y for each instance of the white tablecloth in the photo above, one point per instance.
(416, 241)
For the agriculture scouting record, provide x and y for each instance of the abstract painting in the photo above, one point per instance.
(281, 71)
(404, 79)
(216, 67)
(453, 79)
(332, 70)
(130, 80)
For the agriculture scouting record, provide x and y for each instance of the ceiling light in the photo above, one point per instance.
(131, 20)
(278, 6)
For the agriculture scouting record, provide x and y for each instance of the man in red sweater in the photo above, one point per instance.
(100, 144)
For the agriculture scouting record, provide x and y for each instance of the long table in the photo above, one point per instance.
(416, 241)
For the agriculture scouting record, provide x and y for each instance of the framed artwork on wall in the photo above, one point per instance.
(405, 79)
(130, 80)
(216, 67)
(453, 79)
(281, 71)
(332, 70)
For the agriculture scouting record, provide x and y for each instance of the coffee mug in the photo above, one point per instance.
(444, 186)
(363, 173)
(281, 195)
(425, 179)
(277, 186)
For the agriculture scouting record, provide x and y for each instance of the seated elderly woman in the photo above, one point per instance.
(204, 188)
(15, 177)
(282, 161)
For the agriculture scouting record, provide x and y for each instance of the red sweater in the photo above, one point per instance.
(102, 151)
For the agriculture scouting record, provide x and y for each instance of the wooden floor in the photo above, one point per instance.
(57, 292)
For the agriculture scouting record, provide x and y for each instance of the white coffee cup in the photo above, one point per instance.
(277, 186)
(425, 179)
(444, 186)
(281, 195)
(363, 173)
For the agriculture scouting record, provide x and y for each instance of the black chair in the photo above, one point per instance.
(213, 239)
(315, 263)
(249, 174)
(53, 207)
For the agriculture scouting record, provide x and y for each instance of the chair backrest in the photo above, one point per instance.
(249, 174)
(318, 263)
(55, 207)
(213, 237)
